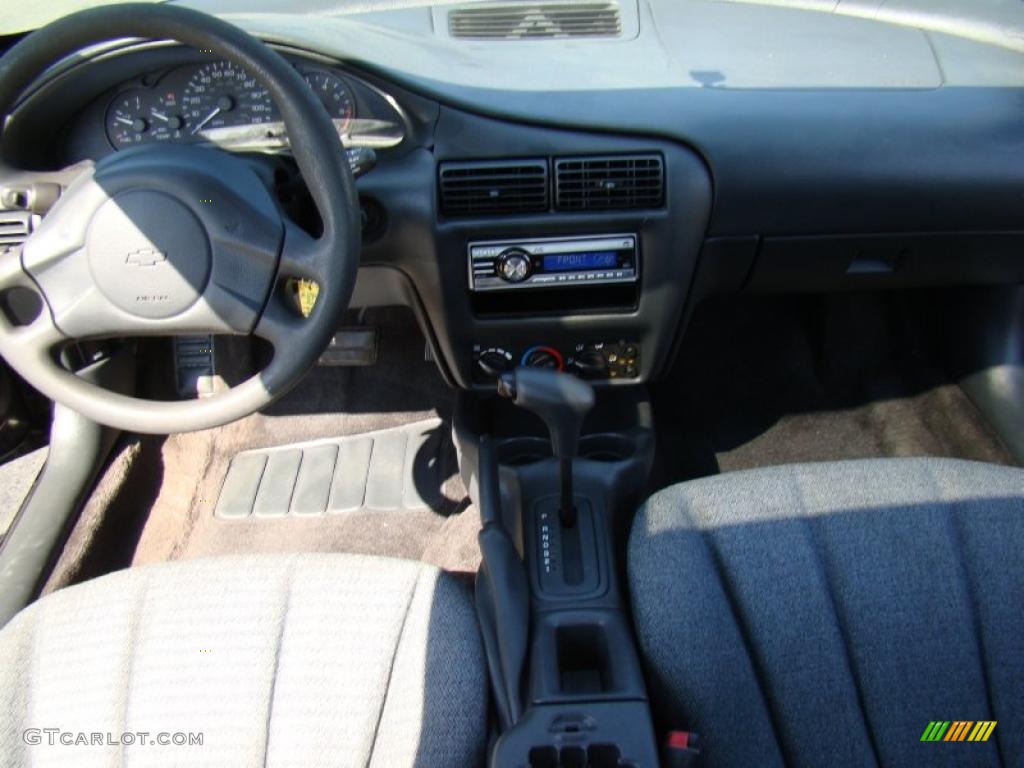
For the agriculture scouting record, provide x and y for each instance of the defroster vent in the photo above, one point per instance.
(479, 188)
(609, 183)
(525, 21)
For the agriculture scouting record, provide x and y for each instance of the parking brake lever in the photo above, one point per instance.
(561, 401)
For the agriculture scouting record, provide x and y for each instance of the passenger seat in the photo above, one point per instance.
(826, 614)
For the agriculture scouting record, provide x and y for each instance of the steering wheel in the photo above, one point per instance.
(177, 240)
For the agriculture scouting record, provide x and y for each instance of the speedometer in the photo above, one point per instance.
(220, 94)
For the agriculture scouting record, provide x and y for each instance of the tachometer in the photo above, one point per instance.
(220, 94)
(333, 94)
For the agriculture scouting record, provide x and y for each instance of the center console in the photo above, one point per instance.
(557, 474)
(551, 251)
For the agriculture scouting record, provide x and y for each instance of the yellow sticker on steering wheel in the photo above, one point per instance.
(307, 291)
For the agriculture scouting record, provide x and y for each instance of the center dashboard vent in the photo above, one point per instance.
(609, 183)
(508, 186)
(525, 21)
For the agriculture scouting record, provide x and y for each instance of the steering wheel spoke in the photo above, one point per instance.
(12, 275)
(302, 256)
(37, 191)
(280, 324)
(40, 335)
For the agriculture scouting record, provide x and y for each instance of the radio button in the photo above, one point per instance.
(514, 265)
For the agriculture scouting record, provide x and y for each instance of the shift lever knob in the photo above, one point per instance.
(561, 400)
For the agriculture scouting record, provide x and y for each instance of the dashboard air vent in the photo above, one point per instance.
(509, 186)
(15, 227)
(525, 21)
(609, 183)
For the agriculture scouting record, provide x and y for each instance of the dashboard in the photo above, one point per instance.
(848, 154)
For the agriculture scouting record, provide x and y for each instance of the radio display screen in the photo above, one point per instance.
(565, 262)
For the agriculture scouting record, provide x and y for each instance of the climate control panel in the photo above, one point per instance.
(600, 360)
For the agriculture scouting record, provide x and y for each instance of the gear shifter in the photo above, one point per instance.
(561, 401)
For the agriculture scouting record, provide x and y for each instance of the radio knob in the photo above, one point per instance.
(514, 265)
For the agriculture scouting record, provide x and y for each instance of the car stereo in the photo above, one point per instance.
(553, 262)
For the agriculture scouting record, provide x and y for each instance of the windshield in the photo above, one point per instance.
(996, 22)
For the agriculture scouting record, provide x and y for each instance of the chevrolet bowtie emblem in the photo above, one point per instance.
(145, 257)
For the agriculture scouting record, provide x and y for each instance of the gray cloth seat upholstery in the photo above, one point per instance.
(824, 614)
(277, 660)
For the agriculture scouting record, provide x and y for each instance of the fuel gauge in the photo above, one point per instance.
(127, 121)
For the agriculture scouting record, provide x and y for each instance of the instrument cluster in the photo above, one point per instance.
(219, 102)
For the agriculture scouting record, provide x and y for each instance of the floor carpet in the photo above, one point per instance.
(156, 500)
(774, 380)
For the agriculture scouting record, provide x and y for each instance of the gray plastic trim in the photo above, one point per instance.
(78, 448)
(389, 470)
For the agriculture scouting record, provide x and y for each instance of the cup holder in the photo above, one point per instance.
(608, 447)
(520, 451)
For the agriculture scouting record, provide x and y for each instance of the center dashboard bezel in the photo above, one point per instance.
(647, 312)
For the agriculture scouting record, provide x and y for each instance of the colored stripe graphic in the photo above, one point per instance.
(935, 730)
(958, 730)
(984, 730)
(963, 727)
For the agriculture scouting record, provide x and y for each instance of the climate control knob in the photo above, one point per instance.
(514, 265)
(590, 364)
(494, 362)
(543, 357)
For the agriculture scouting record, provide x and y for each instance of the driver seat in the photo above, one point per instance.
(830, 614)
(299, 660)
